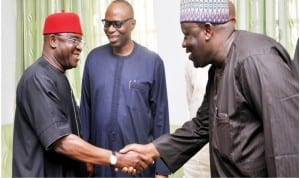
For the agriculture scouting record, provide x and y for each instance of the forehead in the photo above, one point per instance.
(71, 34)
(188, 27)
(117, 11)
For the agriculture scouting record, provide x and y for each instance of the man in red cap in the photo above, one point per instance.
(47, 139)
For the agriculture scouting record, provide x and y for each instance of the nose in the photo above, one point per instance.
(79, 47)
(111, 28)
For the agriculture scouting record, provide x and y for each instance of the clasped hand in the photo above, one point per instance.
(134, 158)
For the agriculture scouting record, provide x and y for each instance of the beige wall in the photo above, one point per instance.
(8, 59)
(169, 38)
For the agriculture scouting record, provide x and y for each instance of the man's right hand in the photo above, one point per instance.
(140, 155)
(131, 162)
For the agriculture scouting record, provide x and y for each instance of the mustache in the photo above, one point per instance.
(187, 50)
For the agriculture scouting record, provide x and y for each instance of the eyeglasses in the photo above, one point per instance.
(75, 41)
(115, 23)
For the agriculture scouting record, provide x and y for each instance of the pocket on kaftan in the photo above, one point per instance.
(222, 140)
(140, 91)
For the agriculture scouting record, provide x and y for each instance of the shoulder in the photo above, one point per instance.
(37, 69)
(40, 73)
(147, 54)
(248, 44)
(258, 54)
(100, 50)
(256, 48)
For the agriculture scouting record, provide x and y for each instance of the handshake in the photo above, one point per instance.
(132, 159)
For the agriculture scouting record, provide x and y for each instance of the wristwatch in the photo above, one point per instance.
(113, 158)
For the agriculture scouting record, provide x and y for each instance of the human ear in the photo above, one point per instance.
(133, 22)
(208, 31)
(52, 41)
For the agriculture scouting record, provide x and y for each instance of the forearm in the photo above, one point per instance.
(76, 148)
(177, 148)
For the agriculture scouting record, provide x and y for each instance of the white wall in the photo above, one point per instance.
(169, 48)
(8, 59)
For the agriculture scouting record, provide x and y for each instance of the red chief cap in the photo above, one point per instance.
(64, 22)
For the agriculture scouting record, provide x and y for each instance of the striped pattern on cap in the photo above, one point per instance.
(213, 11)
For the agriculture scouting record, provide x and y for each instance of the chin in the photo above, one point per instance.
(115, 44)
(75, 65)
(71, 66)
(196, 65)
(199, 62)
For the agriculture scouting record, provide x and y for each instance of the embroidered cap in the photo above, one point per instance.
(63, 22)
(213, 11)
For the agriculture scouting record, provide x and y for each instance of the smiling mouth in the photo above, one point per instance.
(189, 52)
(190, 56)
(76, 54)
(113, 38)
